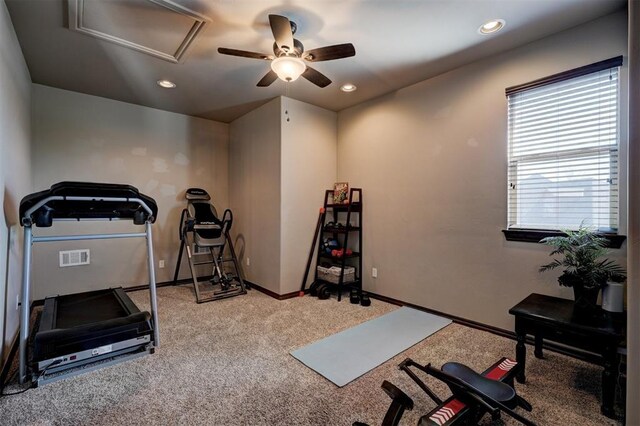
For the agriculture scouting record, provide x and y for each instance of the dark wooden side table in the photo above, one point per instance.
(552, 318)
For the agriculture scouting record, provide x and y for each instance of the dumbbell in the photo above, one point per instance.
(353, 297)
(313, 289)
(364, 300)
(323, 292)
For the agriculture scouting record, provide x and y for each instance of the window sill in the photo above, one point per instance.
(535, 235)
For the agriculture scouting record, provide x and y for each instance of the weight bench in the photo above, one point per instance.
(473, 394)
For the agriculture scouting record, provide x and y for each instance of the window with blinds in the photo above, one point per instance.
(563, 150)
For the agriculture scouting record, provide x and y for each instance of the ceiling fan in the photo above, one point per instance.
(288, 59)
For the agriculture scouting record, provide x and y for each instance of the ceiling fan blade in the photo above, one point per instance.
(281, 28)
(244, 53)
(316, 77)
(329, 53)
(268, 78)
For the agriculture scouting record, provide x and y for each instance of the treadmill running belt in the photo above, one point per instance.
(103, 307)
(82, 321)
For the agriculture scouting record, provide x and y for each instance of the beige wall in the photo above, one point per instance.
(282, 157)
(15, 175)
(254, 192)
(87, 138)
(432, 159)
(309, 138)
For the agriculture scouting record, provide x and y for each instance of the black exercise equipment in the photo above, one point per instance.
(323, 291)
(400, 402)
(203, 233)
(473, 394)
(353, 296)
(313, 247)
(74, 335)
(80, 329)
(313, 289)
(365, 300)
(86, 200)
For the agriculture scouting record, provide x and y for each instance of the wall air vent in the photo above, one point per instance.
(74, 257)
(159, 28)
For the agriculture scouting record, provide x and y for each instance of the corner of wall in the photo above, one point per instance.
(308, 167)
(255, 175)
(15, 170)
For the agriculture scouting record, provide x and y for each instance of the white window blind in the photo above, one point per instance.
(563, 153)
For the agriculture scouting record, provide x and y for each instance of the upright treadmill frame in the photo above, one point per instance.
(30, 239)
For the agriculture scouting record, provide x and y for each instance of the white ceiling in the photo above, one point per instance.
(398, 42)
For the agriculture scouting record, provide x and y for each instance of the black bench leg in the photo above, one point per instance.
(400, 402)
(521, 357)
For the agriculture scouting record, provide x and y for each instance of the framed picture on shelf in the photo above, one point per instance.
(341, 193)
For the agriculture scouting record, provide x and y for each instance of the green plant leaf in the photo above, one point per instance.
(580, 252)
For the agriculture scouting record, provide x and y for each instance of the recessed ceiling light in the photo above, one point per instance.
(348, 87)
(166, 84)
(491, 26)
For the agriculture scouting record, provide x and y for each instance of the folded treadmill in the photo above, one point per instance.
(81, 332)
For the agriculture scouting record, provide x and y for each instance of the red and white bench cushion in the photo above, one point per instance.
(452, 409)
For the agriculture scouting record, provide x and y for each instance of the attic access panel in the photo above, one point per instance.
(159, 28)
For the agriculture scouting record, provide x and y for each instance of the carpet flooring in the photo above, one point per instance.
(227, 363)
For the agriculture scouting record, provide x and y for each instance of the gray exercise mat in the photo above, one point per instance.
(347, 355)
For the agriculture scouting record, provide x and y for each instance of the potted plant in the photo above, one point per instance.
(584, 269)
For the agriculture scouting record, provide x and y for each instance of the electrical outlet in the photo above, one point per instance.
(248, 262)
(374, 272)
(161, 264)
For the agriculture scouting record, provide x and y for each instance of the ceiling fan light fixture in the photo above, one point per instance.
(348, 87)
(492, 26)
(166, 84)
(288, 68)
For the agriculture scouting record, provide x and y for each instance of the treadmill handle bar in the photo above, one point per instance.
(28, 213)
(25, 310)
(47, 239)
(152, 286)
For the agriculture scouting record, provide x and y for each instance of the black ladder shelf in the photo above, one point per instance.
(353, 211)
